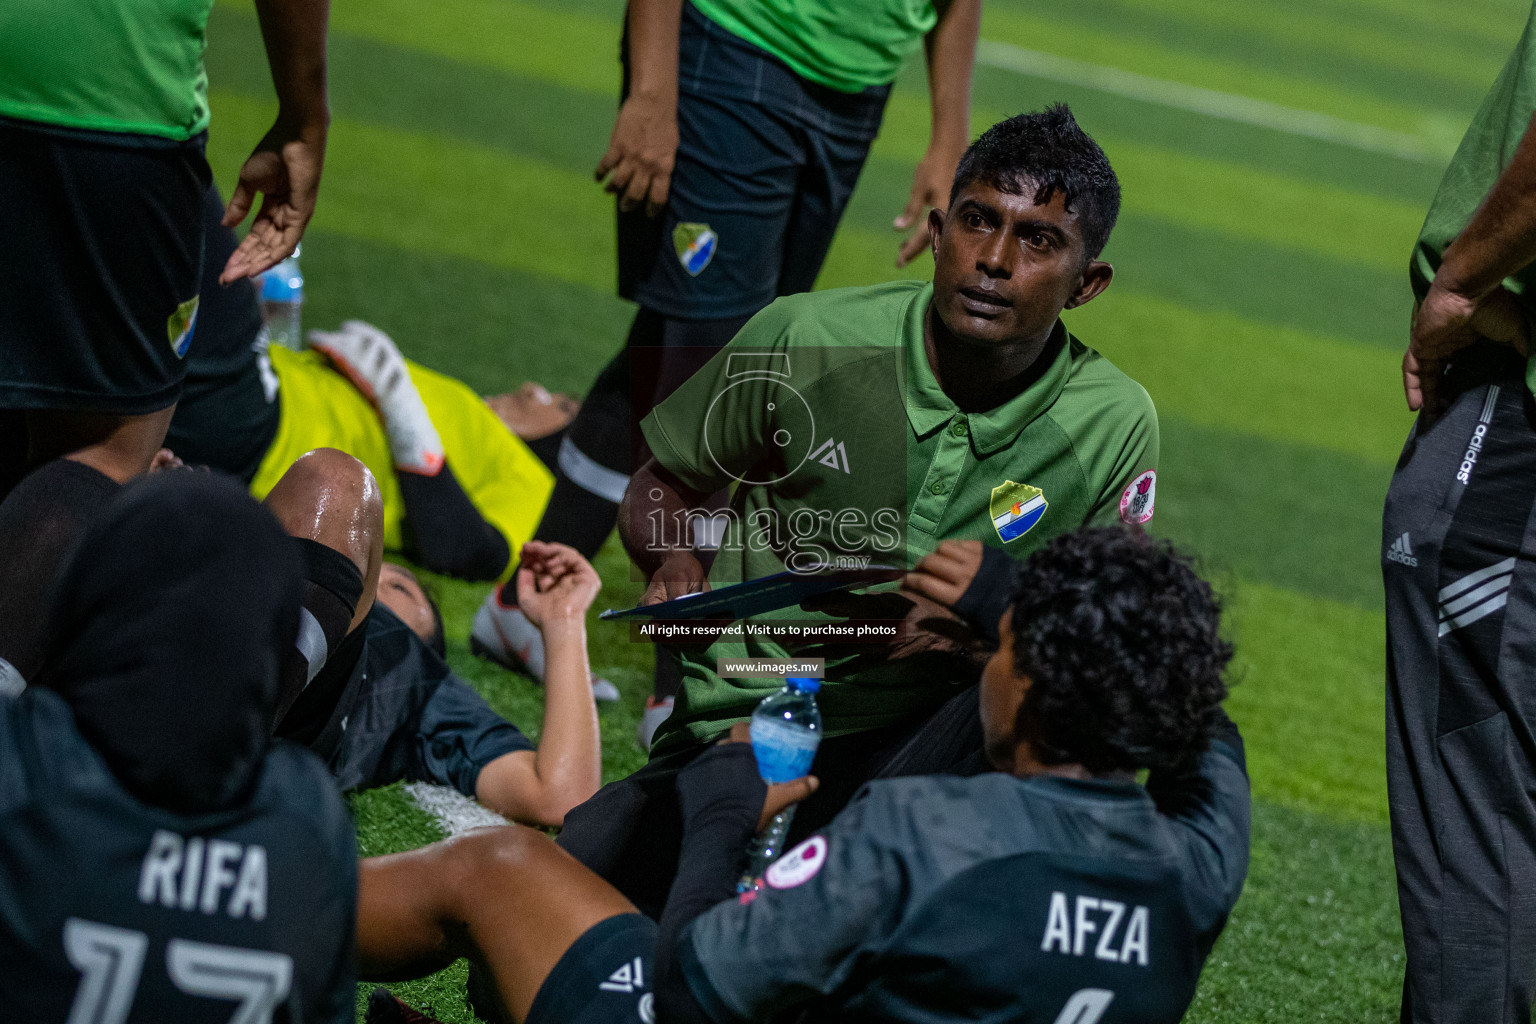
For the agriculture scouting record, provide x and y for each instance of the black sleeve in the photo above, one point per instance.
(458, 735)
(721, 796)
(989, 593)
(1208, 801)
(446, 532)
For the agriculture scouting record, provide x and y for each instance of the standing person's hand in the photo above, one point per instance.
(930, 190)
(285, 169)
(1446, 322)
(641, 153)
(554, 583)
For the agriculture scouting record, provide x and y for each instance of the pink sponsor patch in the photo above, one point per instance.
(1136, 504)
(798, 865)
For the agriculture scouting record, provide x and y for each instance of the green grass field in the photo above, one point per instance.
(1260, 296)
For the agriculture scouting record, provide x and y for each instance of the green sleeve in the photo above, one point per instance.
(711, 431)
(1132, 451)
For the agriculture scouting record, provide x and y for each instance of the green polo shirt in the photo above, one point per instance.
(1485, 151)
(131, 66)
(826, 418)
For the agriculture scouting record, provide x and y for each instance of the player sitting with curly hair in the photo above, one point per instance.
(1052, 889)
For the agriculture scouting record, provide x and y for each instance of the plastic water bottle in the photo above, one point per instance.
(786, 728)
(282, 303)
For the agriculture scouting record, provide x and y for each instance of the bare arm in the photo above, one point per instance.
(653, 504)
(285, 166)
(643, 145)
(951, 52)
(555, 587)
(1465, 301)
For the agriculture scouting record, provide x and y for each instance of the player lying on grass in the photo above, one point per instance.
(368, 690)
(461, 489)
(164, 860)
(1053, 888)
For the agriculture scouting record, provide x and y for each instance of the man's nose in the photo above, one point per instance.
(995, 256)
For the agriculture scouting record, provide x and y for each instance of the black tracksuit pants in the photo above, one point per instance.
(1459, 562)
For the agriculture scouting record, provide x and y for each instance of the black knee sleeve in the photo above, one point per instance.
(332, 587)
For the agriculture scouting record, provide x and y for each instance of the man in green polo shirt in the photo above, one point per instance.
(873, 423)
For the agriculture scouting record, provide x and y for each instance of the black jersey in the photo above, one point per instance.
(392, 709)
(116, 912)
(1041, 901)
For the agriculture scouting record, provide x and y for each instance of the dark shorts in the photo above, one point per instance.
(604, 978)
(98, 270)
(766, 162)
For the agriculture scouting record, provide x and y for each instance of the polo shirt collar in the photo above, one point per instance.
(929, 408)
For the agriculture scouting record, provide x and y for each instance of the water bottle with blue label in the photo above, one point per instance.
(786, 727)
(282, 303)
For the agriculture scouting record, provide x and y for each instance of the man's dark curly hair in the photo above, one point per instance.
(1122, 642)
(1046, 151)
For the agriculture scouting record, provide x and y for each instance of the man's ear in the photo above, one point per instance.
(1096, 277)
(935, 227)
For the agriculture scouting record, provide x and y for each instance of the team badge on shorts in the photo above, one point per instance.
(180, 325)
(695, 245)
(1137, 501)
(1016, 508)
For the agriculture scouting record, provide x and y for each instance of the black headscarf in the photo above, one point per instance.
(169, 623)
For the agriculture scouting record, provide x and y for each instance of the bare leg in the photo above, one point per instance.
(506, 897)
(329, 497)
(120, 447)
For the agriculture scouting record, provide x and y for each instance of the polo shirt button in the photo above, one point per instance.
(959, 429)
(938, 487)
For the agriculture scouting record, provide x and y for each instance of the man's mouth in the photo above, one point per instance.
(983, 300)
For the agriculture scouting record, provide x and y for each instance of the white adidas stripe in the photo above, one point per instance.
(1472, 597)
(1493, 397)
(1480, 612)
(1467, 582)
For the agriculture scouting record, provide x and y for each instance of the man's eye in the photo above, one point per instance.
(1038, 241)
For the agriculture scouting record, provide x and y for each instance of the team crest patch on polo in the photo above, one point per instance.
(1016, 508)
(695, 245)
(1136, 504)
(180, 325)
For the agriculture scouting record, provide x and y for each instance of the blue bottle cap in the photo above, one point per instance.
(282, 284)
(805, 684)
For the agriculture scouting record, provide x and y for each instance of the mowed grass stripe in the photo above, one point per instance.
(1309, 677)
(1381, 56)
(1099, 42)
(1290, 515)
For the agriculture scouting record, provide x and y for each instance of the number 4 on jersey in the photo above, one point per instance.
(1086, 1006)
